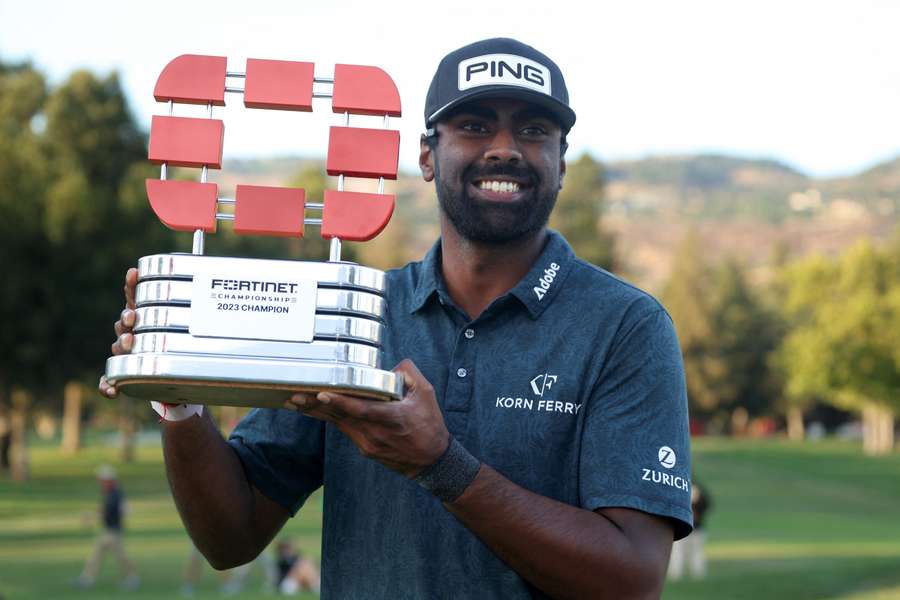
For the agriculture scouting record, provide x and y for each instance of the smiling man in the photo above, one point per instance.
(539, 392)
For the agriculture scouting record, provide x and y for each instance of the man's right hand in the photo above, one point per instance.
(123, 328)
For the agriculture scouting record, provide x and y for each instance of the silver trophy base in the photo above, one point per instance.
(240, 381)
(170, 364)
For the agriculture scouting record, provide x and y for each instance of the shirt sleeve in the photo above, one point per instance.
(635, 450)
(282, 452)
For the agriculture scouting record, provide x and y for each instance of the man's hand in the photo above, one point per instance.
(123, 328)
(406, 436)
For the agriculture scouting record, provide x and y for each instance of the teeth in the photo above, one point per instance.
(503, 187)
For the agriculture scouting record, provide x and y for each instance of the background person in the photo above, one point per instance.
(295, 571)
(690, 552)
(109, 539)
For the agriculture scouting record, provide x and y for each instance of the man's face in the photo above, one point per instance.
(497, 167)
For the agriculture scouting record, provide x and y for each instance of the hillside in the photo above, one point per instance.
(743, 208)
(704, 187)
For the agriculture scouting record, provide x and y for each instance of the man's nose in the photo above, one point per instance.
(503, 147)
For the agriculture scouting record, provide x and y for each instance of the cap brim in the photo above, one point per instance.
(564, 114)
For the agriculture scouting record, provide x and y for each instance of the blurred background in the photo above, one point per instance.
(740, 161)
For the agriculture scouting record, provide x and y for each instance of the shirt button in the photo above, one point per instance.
(470, 333)
(460, 372)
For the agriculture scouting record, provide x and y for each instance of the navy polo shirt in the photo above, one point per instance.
(571, 385)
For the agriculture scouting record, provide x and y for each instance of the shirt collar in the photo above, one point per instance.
(543, 282)
(536, 291)
(429, 278)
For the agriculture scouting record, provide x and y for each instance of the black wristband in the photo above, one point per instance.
(451, 474)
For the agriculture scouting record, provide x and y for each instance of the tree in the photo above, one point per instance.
(843, 342)
(726, 332)
(25, 334)
(745, 335)
(686, 296)
(792, 406)
(578, 212)
(95, 225)
(72, 160)
(24, 249)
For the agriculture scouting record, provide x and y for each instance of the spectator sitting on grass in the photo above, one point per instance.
(295, 571)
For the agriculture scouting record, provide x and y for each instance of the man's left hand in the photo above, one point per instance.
(406, 436)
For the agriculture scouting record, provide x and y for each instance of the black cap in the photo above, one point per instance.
(498, 68)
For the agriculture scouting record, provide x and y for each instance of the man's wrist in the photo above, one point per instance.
(451, 474)
(176, 412)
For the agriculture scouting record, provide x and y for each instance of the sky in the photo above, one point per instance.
(814, 84)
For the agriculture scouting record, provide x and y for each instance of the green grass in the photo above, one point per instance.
(46, 531)
(791, 521)
(798, 521)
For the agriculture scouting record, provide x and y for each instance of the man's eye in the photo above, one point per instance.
(473, 127)
(533, 130)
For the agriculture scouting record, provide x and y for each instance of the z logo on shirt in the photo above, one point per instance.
(667, 459)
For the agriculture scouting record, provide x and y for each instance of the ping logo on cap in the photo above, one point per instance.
(503, 69)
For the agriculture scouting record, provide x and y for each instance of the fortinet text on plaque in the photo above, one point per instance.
(248, 332)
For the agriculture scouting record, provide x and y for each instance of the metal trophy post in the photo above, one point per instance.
(248, 332)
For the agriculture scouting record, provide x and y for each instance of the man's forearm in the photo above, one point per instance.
(219, 507)
(565, 551)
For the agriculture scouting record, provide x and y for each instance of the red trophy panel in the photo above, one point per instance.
(358, 152)
(186, 142)
(184, 205)
(192, 79)
(362, 90)
(355, 216)
(276, 211)
(279, 84)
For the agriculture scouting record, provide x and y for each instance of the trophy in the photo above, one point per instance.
(249, 332)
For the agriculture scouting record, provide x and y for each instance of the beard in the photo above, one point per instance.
(495, 222)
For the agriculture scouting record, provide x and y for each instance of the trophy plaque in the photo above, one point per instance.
(249, 332)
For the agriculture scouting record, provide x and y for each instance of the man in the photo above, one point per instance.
(690, 553)
(110, 537)
(541, 448)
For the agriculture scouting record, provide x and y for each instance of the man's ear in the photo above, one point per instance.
(562, 171)
(426, 159)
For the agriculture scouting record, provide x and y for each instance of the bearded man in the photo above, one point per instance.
(541, 448)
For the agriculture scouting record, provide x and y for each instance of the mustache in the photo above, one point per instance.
(519, 173)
